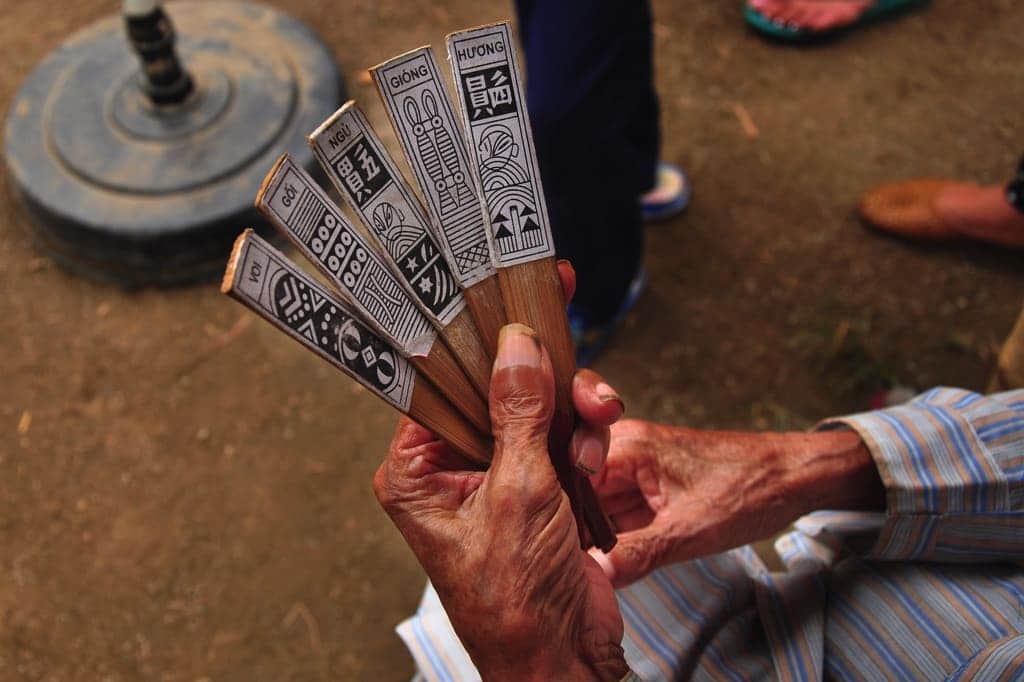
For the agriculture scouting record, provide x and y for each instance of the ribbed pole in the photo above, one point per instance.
(151, 35)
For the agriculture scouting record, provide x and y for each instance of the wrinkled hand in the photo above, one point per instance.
(676, 494)
(501, 546)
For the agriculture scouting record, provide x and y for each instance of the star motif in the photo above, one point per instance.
(412, 263)
(426, 285)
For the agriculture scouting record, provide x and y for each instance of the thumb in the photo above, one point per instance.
(522, 403)
(636, 553)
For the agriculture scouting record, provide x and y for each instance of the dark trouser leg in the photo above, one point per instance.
(1015, 190)
(594, 114)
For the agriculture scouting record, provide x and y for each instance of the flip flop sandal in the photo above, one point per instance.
(590, 339)
(670, 197)
(879, 10)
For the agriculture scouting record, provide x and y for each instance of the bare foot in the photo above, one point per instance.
(981, 213)
(812, 15)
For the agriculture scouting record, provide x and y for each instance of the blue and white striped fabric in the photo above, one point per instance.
(933, 589)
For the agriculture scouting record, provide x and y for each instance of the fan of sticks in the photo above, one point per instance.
(420, 291)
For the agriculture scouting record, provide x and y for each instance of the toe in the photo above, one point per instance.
(770, 8)
(836, 17)
(805, 16)
(777, 10)
(788, 13)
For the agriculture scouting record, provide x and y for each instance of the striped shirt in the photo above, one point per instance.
(932, 589)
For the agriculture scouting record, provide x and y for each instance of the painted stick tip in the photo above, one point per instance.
(228, 281)
(265, 185)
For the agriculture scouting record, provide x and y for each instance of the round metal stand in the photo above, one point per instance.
(146, 176)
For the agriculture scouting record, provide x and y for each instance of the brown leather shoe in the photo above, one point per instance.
(907, 209)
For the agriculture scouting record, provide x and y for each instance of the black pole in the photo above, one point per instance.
(152, 37)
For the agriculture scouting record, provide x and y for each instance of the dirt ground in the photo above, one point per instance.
(185, 494)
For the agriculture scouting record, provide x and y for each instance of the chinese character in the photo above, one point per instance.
(500, 95)
(490, 94)
(369, 164)
(354, 182)
(476, 86)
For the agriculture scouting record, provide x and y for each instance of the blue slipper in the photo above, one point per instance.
(670, 196)
(880, 9)
(589, 338)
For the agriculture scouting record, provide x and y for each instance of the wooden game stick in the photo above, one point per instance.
(265, 281)
(421, 113)
(359, 165)
(493, 109)
(296, 205)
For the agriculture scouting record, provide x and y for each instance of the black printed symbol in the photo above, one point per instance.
(310, 314)
(438, 154)
(366, 355)
(362, 172)
(305, 311)
(488, 92)
(389, 224)
(430, 277)
(508, 191)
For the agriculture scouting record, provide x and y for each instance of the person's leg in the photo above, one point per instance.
(991, 214)
(594, 116)
(982, 213)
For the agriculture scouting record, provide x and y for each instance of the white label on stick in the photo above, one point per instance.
(493, 108)
(296, 204)
(266, 282)
(358, 164)
(421, 113)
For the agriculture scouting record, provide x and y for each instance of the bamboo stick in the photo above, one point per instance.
(421, 113)
(493, 109)
(296, 205)
(359, 165)
(265, 281)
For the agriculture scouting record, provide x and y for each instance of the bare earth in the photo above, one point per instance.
(185, 494)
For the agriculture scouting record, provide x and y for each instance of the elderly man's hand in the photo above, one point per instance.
(501, 546)
(676, 494)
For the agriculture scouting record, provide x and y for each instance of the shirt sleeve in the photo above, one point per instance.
(1002, 659)
(952, 463)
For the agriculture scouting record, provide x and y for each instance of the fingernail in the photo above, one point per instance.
(591, 452)
(517, 347)
(607, 394)
(604, 562)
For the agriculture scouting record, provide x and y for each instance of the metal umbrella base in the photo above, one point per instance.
(133, 179)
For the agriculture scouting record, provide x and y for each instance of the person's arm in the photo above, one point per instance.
(947, 468)
(676, 493)
(952, 463)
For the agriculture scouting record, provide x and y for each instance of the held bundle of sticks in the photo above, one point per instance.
(420, 295)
